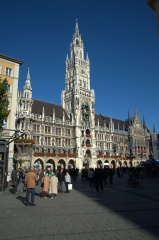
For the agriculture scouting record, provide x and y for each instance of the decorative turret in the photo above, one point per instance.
(43, 114)
(27, 89)
(25, 100)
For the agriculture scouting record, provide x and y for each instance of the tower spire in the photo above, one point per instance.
(27, 82)
(28, 75)
(76, 28)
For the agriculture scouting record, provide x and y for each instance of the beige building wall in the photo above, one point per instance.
(9, 68)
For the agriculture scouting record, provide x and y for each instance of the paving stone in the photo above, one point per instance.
(115, 213)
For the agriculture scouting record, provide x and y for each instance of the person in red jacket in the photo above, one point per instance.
(30, 180)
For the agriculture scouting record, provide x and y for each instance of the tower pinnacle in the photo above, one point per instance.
(27, 82)
(76, 28)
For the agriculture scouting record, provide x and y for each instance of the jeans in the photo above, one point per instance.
(60, 185)
(32, 191)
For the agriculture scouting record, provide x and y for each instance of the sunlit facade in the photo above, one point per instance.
(72, 135)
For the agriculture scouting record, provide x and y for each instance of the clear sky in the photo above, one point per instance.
(121, 39)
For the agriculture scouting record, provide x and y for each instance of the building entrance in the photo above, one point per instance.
(85, 164)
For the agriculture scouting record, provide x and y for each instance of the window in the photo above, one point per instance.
(67, 142)
(8, 72)
(58, 131)
(38, 128)
(115, 139)
(37, 139)
(26, 125)
(34, 127)
(47, 129)
(67, 132)
(9, 88)
(58, 142)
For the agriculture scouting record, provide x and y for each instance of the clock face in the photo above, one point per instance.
(82, 71)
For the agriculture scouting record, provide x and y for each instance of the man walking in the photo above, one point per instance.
(30, 180)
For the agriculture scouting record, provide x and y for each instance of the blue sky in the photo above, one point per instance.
(121, 39)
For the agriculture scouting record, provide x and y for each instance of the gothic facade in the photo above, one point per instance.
(72, 135)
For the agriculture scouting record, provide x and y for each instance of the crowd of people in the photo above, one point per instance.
(50, 182)
(101, 176)
(98, 177)
(53, 182)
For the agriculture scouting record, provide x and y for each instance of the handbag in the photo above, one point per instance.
(42, 184)
(69, 186)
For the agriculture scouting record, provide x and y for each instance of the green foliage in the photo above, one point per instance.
(4, 102)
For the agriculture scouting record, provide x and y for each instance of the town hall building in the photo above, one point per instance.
(72, 135)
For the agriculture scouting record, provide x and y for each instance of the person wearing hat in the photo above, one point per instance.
(53, 185)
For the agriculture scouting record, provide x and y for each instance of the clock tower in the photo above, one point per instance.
(78, 99)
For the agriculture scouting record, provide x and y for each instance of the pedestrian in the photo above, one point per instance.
(91, 177)
(53, 185)
(41, 175)
(45, 188)
(67, 181)
(14, 181)
(30, 181)
(61, 179)
(8, 179)
(111, 176)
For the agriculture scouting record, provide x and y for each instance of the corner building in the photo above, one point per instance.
(9, 69)
(72, 135)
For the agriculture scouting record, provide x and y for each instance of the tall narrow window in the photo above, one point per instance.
(9, 88)
(8, 72)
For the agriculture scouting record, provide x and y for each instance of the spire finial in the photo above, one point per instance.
(27, 82)
(28, 74)
(76, 28)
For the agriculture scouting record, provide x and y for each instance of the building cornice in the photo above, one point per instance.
(11, 59)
